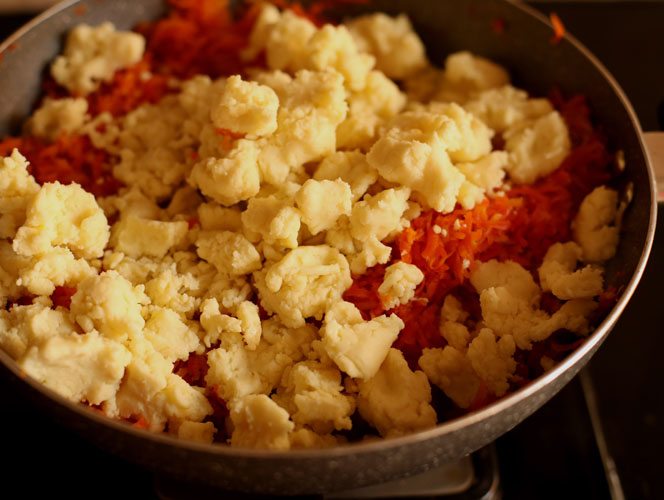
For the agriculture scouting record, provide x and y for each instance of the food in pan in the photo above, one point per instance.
(279, 233)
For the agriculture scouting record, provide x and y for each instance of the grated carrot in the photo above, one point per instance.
(62, 295)
(558, 28)
(71, 158)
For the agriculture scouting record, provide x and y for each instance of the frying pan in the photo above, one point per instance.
(536, 64)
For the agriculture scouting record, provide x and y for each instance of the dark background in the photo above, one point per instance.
(553, 454)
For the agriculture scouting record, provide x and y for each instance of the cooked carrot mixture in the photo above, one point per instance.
(204, 37)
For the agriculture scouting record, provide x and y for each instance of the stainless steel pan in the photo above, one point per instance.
(535, 64)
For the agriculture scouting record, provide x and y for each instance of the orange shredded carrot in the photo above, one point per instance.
(558, 28)
(129, 89)
(200, 37)
(71, 158)
(141, 423)
(62, 295)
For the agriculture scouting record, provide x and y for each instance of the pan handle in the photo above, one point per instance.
(655, 145)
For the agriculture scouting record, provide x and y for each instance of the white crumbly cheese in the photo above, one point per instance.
(509, 275)
(229, 291)
(17, 188)
(492, 359)
(323, 202)
(92, 55)
(452, 310)
(356, 346)
(200, 432)
(312, 105)
(248, 314)
(368, 109)
(286, 41)
(180, 401)
(304, 284)
(506, 107)
(109, 304)
(259, 422)
(216, 324)
(352, 168)
(279, 348)
(56, 117)
(245, 107)
(151, 391)
(371, 252)
(63, 216)
(169, 335)
(23, 327)
(268, 16)
(488, 172)
(398, 50)
(475, 136)
(413, 153)
(231, 371)
(138, 237)
(507, 315)
(86, 367)
(509, 298)
(594, 226)
(293, 43)
(450, 369)
(230, 179)
(537, 148)
(273, 220)
(172, 290)
(156, 144)
(312, 395)
(558, 273)
(333, 47)
(396, 400)
(57, 267)
(213, 217)
(184, 203)
(229, 252)
(452, 327)
(137, 271)
(399, 284)
(375, 217)
(472, 73)
(11, 265)
(132, 202)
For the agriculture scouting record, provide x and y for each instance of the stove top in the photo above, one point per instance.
(599, 438)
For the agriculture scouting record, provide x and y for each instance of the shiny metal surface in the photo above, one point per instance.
(445, 26)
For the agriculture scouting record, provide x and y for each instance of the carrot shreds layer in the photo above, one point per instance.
(520, 226)
(200, 37)
(71, 158)
(129, 89)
